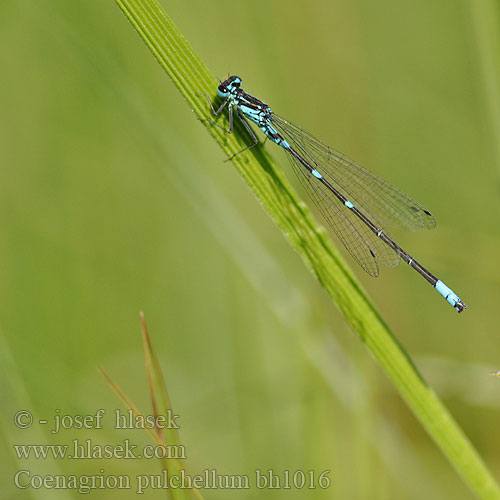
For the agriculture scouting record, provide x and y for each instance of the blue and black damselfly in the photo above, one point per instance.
(356, 203)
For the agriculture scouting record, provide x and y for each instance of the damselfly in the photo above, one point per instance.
(356, 203)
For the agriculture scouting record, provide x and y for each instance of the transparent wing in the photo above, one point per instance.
(365, 247)
(379, 200)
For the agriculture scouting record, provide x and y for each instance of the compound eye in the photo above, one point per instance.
(222, 91)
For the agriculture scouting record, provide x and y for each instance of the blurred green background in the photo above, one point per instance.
(114, 199)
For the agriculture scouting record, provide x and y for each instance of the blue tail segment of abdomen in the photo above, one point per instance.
(449, 295)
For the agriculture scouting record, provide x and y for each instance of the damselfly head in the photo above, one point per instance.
(229, 86)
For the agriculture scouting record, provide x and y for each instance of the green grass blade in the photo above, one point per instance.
(277, 197)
